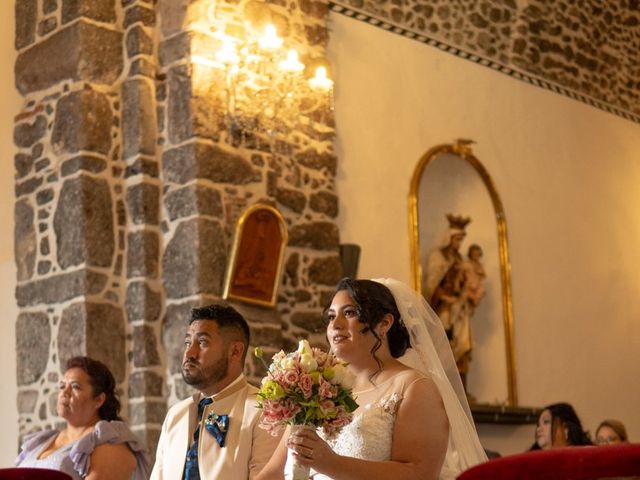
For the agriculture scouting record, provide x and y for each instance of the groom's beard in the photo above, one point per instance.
(202, 376)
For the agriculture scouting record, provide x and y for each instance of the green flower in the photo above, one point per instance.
(271, 390)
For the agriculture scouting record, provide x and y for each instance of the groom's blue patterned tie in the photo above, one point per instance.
(191, 471)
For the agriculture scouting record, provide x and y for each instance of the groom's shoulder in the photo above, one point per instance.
(181, 406)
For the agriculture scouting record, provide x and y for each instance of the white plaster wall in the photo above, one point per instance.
(569, 178)
(9, 107)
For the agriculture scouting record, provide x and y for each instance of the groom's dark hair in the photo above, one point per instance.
(229, 321)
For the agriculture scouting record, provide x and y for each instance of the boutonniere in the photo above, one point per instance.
(217, 425)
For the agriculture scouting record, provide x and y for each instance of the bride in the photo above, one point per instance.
(413, 420)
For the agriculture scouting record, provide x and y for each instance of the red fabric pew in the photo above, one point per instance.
(570, 463)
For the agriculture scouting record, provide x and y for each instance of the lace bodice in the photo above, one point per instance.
(370, 435)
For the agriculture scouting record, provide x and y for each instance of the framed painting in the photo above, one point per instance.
(253, 273)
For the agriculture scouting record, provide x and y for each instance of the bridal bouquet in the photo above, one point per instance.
(306, 387)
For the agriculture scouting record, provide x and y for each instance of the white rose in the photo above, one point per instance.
(287, 363)
(304, 347)
(348, 378)
(339, 371)
(308, 363)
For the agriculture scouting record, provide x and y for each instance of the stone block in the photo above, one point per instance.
(143, 202)
(83, 121)
(44, 196)
(60, 288)
(149, 411)
(86, 163)
(143, 303)
(142, 66)
(83, 223)
(145, 384)
(25, 134)
(49, 6)
(100, 10)
(293, 199)
(138, 42)
(175, 48)
(174, 326)
(316, 235)
(28, 186)
(193, 200)
(173, 15)
(203, 161)
(195, 259)
(91, 53)
(325, 271)
(42, 164)
(138, 118)
(95, 328)
(291, 269)
(25, 241)
(142, 166)
(47, 25)
(33, 339)
(139, 14)
(44, 267)
(145, 347)
(26, 15)
(23, 164)
(324, 202)
(143, 254)
(311, 158)
(309, 321)
(27, 400)
(179, 104)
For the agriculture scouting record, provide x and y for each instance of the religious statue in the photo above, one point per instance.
(454, 286)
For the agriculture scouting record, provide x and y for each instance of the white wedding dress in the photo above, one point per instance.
(370, 435)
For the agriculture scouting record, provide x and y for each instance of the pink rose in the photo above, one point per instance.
(306, 385)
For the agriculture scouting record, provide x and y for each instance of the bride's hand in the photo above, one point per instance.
(310, 450)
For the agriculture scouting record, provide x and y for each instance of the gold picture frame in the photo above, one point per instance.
(253, 272)
(463, 150)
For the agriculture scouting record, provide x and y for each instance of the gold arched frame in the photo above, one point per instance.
(266, 292)
(462, 149)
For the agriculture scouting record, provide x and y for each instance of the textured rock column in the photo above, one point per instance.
(143, 235)
(68, 252)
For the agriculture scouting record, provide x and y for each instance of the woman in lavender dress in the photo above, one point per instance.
(95, 443)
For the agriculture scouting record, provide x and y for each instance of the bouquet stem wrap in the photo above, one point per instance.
(293, 469)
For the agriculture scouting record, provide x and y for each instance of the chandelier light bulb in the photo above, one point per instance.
(270, 39)
(227, 54)
(320, 81)
(292, 63)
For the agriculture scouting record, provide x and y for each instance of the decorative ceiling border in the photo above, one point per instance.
(360, 15)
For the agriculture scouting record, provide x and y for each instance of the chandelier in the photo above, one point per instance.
(263, 85)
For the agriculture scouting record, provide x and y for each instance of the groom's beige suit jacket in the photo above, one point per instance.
(247, 447)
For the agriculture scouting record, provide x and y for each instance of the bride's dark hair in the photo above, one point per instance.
(373, 301)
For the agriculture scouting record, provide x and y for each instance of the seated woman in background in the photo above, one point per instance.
(559, 426)
(611, 432)
(95, 443)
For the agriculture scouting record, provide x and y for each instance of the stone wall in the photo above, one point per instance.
(588, 50)
(128, 189)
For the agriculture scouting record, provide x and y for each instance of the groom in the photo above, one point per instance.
(214, 434)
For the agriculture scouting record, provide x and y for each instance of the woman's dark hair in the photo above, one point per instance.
(564, 416)
(102, 381)
(373, 301)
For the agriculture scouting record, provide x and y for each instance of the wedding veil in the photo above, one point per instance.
(432, 355)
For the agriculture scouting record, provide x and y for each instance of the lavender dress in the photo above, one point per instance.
(75, 459)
